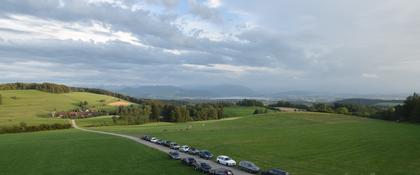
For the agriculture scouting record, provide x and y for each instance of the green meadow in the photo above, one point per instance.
(234, 111)
(70, 152)
(301, 143)
(33, 107)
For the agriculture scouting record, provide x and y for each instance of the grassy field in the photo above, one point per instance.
(70, 152)
(96, 121)
(302, 143)
(33, 107)
(235, 111)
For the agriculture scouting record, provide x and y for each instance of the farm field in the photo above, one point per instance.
(33, 107)
(301, 143)
(69, 152)
(235, 111)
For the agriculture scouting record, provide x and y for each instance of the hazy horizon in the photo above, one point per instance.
(319, 46)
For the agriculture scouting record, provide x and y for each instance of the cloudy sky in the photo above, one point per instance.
(278, 45)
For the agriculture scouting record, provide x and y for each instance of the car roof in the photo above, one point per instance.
(223, 156)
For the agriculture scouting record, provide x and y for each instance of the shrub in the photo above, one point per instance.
(23, 127)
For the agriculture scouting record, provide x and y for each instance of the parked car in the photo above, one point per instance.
(225, 160)
(202, 167)
(221, 171)
(184, 148)
(193, 151)
(249, 167)
(174, 155)
(154, 139)
(146, 137)
(274, 171)
(174, 145)
(205, 154)
(160, 142)
(167, 143)
(188, 161)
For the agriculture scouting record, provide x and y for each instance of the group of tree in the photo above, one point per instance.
(46, 87)
(83, 105)
(249, 102)
(261, 111)
(160, 112)
(23, 127)
(347, 109)
(58, 88)
(409, 111)
(288, 105)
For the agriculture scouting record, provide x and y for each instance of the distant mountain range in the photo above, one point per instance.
(173, 92)
(238, 92)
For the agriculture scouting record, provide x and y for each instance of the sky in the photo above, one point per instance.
(335, 46)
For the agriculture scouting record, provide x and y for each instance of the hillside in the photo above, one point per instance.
(301, 143)
(33, 106)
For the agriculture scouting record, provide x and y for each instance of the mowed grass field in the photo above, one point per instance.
(235, 111)
(301, 143)
(33, 107)
(71, 152)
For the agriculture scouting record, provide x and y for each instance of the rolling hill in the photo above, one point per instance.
(33, 106)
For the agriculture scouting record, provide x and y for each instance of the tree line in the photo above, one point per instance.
(23, 127)
(249, 102)
(409, 111)
(58, 88)
(160, 112)
(46, 87)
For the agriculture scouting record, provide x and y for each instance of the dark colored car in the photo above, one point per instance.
(274, 172)
(174, 155)
(221, 171)
(202, 167)
(146, 137)
(193, 151)
(160, 142)
(188, 161)
(205, 154)
(249, 167)
(167, 143)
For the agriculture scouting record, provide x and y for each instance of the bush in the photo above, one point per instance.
(23, 127)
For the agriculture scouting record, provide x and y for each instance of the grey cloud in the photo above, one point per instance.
(332, 45)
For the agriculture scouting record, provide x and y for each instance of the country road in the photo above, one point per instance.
(162, 148)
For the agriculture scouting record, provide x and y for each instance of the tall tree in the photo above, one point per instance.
(154, 115)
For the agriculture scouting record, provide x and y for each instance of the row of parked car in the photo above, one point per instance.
(205, 154)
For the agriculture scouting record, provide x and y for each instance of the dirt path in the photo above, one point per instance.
(161, 148)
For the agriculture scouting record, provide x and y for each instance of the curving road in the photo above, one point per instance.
(161, 148)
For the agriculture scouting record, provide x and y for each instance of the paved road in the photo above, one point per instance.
(161, 148)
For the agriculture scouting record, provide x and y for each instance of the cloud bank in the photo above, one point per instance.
(341, 46)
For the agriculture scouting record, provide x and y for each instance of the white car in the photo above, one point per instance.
(225, 160)
(184, 148)
(154, 140)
